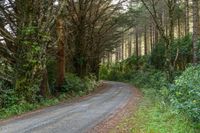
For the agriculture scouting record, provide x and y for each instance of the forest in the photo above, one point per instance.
(54, 50)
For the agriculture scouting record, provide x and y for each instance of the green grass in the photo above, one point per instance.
(74, 87)
(153, 116)
(25, 107)
(21, 108)
(156, 113)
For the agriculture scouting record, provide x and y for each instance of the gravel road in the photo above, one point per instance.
(77, 117)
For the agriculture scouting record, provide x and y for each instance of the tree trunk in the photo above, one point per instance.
(95, 67)
(187, 17)
(118, 54)
(137, 47)
(155, 35)
(196, 29)
(169, 60)
(122, 48)
(60, 53)
(151, 37)
(137, 43)
(179, 28)
(108, 57)
(129, 46)
(145, 40)
(44, 87)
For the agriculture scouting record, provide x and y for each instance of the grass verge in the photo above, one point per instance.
(154, 116)
(21, 108)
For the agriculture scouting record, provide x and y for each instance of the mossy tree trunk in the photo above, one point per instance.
(60, 53)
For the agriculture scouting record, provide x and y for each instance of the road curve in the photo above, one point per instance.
(76, 117)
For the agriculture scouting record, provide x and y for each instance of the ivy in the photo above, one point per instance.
(31, 63)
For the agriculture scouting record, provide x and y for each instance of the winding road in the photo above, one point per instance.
(76, 117)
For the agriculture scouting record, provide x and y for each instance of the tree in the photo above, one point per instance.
(60, 53)
(171, 6)
(196, 28)
(187, 17)
(94, 31)
(24, 29)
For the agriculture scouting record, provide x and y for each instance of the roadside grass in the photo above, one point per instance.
(156, 113)
(150, 118)
(154, 116)
(24, 107)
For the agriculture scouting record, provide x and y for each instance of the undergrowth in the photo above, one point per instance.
(154, 117)
(166, 107)
(73, 87)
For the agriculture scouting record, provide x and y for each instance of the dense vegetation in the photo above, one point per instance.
(163, 63)
(52, 50)
(73, 87)
(165, 101)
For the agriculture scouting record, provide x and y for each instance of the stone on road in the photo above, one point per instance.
(77, 117)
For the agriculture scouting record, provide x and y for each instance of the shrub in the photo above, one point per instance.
(151, 118)
(186, 92)
(112, 71)
(157, 58)
(184, 48)
(90, 82)
(8, 98)
(74, 84)
(104, 70)
(8, 95)
(17, 109)
(149, 78)
(51, 69)
(123, 71)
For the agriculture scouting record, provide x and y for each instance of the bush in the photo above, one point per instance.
(51, 69)
(184, 48)
(74, 84)
(157, 58)
(135, 63)
(104, 70)
(8, 98)
(112, 71)
(186, 92)
(123, 71)
(151, 118)
(8, 95)
(149, 79)
(24, 106)
(90, 82)
(16, 109)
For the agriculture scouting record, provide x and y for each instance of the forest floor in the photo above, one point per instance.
(96, 113)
